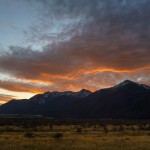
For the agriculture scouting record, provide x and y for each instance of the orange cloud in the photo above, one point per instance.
(4, 98)
(96, 52)
(20, 87)
(89, 79)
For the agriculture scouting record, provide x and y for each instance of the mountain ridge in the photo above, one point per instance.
(127, 99)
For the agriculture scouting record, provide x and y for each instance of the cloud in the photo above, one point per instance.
(92, 81)
(4, 98)
(20, 86)
(89, 44)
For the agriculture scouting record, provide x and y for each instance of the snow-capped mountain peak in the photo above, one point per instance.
(129, 82)
(41, 98)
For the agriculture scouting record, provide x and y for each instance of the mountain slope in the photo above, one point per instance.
(125, 100)
(53, 104)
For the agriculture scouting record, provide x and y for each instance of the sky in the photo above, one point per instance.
(60, 45)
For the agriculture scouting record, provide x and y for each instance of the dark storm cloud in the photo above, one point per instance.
(116, 29)
(95, 36)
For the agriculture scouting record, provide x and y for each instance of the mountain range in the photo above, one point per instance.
(125, 100)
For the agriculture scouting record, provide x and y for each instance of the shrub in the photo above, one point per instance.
(79, 130)
(121, 128)
(105, 129)
(29, 135)
(57, 135)
(132, 128)
(114, 129)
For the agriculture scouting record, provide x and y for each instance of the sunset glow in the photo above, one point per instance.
(46, 47)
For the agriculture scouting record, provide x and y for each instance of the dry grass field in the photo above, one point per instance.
(24, 134)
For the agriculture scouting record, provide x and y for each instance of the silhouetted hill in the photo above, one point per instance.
(55, 104)
(125, 100)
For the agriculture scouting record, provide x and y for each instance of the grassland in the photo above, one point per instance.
(57, 134)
